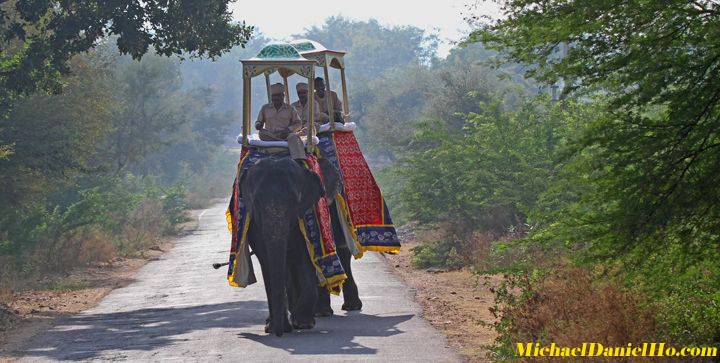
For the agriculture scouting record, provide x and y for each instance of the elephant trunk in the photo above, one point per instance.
(277, 255)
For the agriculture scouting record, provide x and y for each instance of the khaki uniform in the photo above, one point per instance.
(280, 125)
(337, 105)
(304, 112)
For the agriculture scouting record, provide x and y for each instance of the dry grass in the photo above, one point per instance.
(570, 308)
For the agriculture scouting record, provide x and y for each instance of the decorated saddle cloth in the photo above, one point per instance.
(360, 201)
(315, 227)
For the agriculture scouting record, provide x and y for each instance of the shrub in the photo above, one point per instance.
(568, 306)
(488, 176)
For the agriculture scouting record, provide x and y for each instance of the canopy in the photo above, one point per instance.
(275, 57)
(325, 58)
(278, 57)
(311, 49)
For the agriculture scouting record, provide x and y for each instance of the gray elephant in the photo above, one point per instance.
(276, 192)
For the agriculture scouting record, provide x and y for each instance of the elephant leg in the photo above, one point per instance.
(262, 258)
(351, 297)
(322, 307)
(306, 281)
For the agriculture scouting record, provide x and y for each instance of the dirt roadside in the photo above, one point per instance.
(454, 302)
(31, 312)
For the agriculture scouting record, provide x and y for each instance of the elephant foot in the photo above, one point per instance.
(352, 305)
(324, 313)
(303, 325)
(268, 326)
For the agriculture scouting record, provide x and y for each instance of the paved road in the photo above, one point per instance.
(180, 309)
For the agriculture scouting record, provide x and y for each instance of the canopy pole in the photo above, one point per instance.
(346, 111)
(328, 99)
(287, 90)
(246, 130)
(267, 86)
(311, 126)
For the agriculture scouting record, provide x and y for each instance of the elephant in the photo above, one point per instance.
(276, 192)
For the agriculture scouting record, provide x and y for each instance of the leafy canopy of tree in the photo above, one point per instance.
(37, 38)
(374, 51)
(655, 160)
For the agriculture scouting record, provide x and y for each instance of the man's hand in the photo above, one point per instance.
(302, 132)
(258, 125)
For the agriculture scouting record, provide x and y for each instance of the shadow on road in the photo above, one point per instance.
(334, 335)
(87, 336)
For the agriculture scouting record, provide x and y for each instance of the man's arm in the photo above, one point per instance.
(260, 119)
(295, 122)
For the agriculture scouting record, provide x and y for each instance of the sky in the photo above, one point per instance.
(280, 19)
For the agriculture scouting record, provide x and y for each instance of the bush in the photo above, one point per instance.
(568, 306)
(91, 221)
(488, 177)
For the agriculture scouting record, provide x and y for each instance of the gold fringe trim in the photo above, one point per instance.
(228, 217)
(386, 249)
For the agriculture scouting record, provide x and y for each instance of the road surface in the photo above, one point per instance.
(180, 309)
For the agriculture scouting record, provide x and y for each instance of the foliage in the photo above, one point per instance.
(491, 174)
(104, 169)
(636, 190)
(39, 37)
(54, 136)
(374, 52)
(566, 306)
(373, 49)
(162, 127)
(654, 162)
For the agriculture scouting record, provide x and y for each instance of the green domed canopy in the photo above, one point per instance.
(279, 51)
(307, 45)
(311, 49)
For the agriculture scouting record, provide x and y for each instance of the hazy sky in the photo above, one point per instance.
(280, 19)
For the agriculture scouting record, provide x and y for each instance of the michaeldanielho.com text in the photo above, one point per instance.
(597, 350)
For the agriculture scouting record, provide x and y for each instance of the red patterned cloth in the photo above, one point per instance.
(363, 194)
(322, 210)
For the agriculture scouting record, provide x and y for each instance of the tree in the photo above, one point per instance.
(655, 162)
(373, 51)
(55, 137)
(152, 107)
(39, 37)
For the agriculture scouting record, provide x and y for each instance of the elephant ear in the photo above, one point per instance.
(312, 191)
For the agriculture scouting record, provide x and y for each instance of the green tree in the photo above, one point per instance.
(374, 51)
(152, 107)
(655, 161)
(39, 37)
(488, 176)
(55, 137)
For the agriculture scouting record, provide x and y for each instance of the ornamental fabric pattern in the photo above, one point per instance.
(279, 51)
(369, 214)
(315, 227)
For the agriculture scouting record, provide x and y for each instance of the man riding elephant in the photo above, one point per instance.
(278, 121)
(321, 95)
